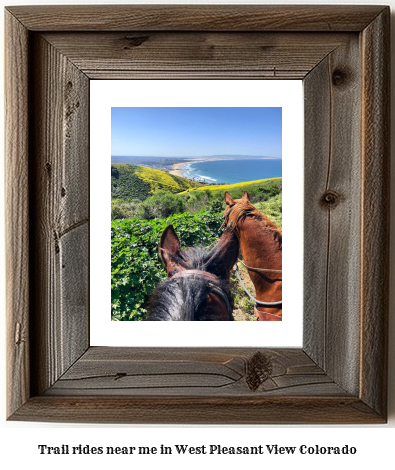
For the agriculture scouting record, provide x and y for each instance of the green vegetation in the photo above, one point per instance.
(121, 209)
(161, 180)
(126, 185)
(212, 198)
(130, 182)
(257, 188)
(273, 208)
(135, 265)
(161, 205)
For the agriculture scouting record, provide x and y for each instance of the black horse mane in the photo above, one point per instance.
(183, 299)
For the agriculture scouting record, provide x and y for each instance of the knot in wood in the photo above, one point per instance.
(339, 77)
(120, 375)
(330, 198)
(259, 369)
(18, 334)
(135, 41)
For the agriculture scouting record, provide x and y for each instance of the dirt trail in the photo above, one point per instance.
(244, 306)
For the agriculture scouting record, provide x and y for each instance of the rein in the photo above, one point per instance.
(260, 269)
(215, 289)
(258, 302)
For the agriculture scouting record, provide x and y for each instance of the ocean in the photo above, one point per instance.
(232, 171)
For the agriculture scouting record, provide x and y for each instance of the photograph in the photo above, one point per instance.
(196, 214)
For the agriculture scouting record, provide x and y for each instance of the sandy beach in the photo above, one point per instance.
(176, 168)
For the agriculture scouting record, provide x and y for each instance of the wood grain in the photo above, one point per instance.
(333, 161)
(60, 185)
(316, 219)
(198, 410)
(194, 372)
(17, 192)
(195, 55)
(196, 17)
(339, 376)
(375, 212)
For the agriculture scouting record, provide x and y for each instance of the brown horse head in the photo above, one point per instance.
(238, 209)
(261, 246)
(230, 202)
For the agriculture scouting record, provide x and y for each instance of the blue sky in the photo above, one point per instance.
(196, 132)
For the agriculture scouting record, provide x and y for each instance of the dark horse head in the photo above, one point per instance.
(197, 288)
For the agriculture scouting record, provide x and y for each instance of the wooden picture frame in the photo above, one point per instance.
(340, 373)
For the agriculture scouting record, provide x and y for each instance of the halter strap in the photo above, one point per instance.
(278, 304)
(215, 289)
(261, 269)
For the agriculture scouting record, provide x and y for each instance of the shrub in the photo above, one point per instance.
(203, 200)
(121, 209)
(161, 205)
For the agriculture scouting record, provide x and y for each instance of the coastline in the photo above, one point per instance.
(176, 168)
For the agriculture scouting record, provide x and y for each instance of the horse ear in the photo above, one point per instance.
(224, 255)
(228, 199)
(170, 250)
(245, 197)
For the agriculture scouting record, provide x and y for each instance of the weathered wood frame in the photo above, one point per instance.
(340, 374)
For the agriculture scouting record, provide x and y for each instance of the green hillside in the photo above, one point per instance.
(271, 187)
(140, 182)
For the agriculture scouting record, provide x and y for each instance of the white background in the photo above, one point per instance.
(287, 94)
(18, 441)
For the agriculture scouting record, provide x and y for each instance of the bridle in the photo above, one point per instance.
(213, 284)
(258, 303)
